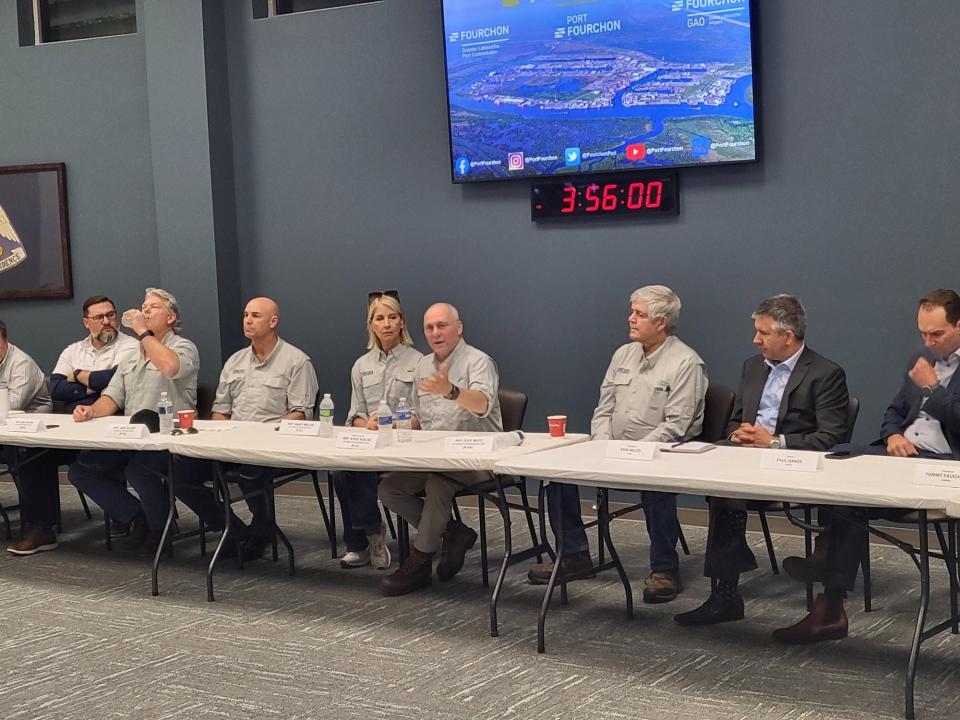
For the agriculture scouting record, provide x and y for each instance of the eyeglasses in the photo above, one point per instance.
(112, 315)
(371, 296)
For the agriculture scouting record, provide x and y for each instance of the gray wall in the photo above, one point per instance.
(341, 158)
(340, 178)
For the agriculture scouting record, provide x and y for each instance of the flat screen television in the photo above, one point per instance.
(543, 88)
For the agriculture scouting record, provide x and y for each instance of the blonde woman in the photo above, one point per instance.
(388, 371)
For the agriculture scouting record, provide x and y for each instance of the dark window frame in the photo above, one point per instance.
(34, 28)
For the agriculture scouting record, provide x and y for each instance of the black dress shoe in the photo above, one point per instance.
(714, 610)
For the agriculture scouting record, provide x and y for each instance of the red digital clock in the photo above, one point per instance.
(617, 195)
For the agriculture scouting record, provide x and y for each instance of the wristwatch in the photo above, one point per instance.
(774, 444)
(928, 390)
(144, 334)
(454, 392)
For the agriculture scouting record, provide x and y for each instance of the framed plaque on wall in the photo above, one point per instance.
(34, 234)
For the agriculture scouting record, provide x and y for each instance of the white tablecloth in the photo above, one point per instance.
(735, 473)
(260, 444)
(89, 435)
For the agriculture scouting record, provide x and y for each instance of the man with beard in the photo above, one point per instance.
(82, 372)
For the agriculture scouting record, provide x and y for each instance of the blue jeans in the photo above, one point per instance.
(660, 510)
(103, 475)
(357, 492)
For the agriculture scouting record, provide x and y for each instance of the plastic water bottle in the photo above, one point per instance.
(384, 425)
(165, 411)
(404, 423)
(325, 416)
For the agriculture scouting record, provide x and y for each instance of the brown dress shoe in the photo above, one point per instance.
(572, 567)
(416, 572)
(457, 539)
(661, 586)
(34, 539)
(814, 627)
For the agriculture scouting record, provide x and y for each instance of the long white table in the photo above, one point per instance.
(736, 473)
(63, 432)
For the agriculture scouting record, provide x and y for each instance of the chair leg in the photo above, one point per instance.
(947, 548)
(390, 525)
(865, 570)
(484, 570)
(332, 515)
(601, 550)
(6, 521)
(86, 507)
(808, 551)
(542, 517)
(456, 511)
(528, 511)
(328, 519)
(774, 567)
(683, 540)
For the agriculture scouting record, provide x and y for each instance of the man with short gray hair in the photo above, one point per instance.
(167, 362)
(788, 397)
(653, 391)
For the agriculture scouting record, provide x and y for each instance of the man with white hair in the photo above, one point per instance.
(167, 362)
(653, 391)
(457, 389)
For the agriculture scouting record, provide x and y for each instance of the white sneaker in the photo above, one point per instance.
(378, 551)
(355, 559)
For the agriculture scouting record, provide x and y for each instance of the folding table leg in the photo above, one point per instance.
(548, 594)
(921, 617)
(604, 518)
(505, 563)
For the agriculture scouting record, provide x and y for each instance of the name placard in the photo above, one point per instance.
(937, 475)
(470, 445)
(791, 461)
(25, 425)
(300, 427)
(632, 450)
(128, 431)
(356, 441)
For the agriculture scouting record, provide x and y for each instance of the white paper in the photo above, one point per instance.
(25, 425)
(937, 475)
(791, 461)
(469, 445)
(356, 441)
(126, 430)
(632, 450)
(300, 427)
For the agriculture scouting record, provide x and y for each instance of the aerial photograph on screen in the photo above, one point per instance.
(555, 87)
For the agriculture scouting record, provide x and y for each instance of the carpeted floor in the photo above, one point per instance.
(83, 638)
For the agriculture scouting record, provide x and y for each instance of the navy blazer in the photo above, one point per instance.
(943, 405)
(814, 409)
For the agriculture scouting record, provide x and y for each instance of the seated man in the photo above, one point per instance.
(457, 390)
(653, 391)
(790, 397)
(167, 362)
(267, 381)
(922, 421)
(82, 372)
(27, 390)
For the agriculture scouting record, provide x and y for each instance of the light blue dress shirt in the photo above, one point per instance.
(773, 389)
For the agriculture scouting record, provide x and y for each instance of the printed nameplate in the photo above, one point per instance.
(793, 461)
(128, 431)
(471, 445)
(632, 450)
(937, 475)
(299, 427)
(25, 425)
(356, 441)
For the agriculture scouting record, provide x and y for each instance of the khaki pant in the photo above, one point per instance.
(401, 493)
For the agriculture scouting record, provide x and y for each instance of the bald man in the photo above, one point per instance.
(456, 390)
(267, 381)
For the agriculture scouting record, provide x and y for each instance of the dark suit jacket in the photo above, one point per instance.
(813, 411)
(943, 404)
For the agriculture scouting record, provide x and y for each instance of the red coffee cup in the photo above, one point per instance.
(557, 425)
(186, 418)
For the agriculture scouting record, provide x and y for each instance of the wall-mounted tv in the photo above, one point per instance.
(540, 88)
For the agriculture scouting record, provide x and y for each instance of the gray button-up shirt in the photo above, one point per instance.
(25, 381)
(137, 384)
(469, 369)
(377, 374)
(82, 355)
(255, 391)
(658, 398)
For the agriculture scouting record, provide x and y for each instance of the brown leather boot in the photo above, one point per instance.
(457, 539)
(416, 572)
(814, 627)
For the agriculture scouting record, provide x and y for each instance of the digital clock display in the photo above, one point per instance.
(631, 195)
